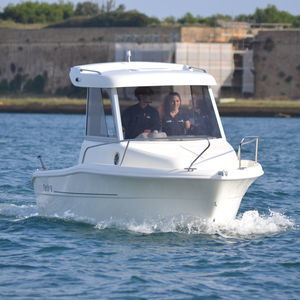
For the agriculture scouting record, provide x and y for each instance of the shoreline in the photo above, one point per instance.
(43, 108)
(224, 110)
(261, 111)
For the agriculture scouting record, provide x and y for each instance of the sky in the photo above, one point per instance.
(177, 8)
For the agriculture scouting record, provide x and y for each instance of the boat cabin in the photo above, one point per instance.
(138, 100)
(154, 149)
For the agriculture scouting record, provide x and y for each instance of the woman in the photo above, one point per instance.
(174, 120)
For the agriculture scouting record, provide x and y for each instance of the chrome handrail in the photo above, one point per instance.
(105, 144)
(189, 169)
(42, 163)
(87, 70)
(242, 143)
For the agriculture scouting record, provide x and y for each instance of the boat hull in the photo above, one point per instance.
(99, 197)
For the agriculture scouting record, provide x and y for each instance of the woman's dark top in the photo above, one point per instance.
(176, 125)
(136, 120)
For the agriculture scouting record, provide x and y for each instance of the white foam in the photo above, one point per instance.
(71, 216)
(19, 211)
(250, 223)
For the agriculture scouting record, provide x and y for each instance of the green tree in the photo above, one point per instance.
(121, 8)
(222, 17)
(213, 20)
(36, 12)
(244, 18)
(109, 15)
(87, 9)
(170, 20)
(108, 6)
(296, 22)
(188, 18)
(272, 15)
(128, 18)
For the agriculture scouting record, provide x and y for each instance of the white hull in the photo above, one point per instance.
(144, 156)
(99, 194)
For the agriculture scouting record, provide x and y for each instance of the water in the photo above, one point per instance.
(254, 256)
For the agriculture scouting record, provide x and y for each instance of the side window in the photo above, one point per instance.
(109, 118)
(203, 118)
(99, 113)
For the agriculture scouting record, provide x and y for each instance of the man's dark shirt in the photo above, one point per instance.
(201, 124)
(176, 125)
(136, 120)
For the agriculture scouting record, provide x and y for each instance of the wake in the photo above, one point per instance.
(18, 211)
(250, 223)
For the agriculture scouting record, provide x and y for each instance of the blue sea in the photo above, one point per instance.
(256, 256)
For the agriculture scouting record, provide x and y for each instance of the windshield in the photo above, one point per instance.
(167, 112)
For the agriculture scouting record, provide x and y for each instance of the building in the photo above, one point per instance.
(39, 60)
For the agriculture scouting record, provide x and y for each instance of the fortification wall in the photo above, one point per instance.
(192, 34)
(40, 60)
(277, 64)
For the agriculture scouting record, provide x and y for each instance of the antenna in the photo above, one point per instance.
(128, 55)
(42, 163)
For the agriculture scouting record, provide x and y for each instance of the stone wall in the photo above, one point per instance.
(277, 64)
(38, 61)
(194, 34)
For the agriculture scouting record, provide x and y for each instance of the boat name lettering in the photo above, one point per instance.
(47, 188)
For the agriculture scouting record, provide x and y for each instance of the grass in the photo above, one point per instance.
(14, 25)
(27, 100)
(43, 104)
(261, 103)
(40, 100)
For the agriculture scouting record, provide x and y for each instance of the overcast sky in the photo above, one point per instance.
(177, 8)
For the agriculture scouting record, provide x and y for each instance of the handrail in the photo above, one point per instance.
(93, 71)
(186, 67)
(243, 142)
(190, 167)
(42, 163)
(126, 148)
(125, 151)
(102, 144)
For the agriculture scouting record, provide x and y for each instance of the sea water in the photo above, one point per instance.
(257, 255)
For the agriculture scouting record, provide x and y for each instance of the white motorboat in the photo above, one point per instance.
(131, 171)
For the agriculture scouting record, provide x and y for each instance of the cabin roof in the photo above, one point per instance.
(131, 74)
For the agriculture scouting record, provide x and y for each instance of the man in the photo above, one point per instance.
(201, 124)
(140, 117)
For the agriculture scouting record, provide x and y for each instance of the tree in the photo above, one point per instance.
(128, 18)
(244, 18)
(170, 20)
(188, 18)
(272, 15)
(109, 6)
(108, 15)
(296, 22)
(121, 8)
(213, 20)
(87, 9)
(35, 12)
